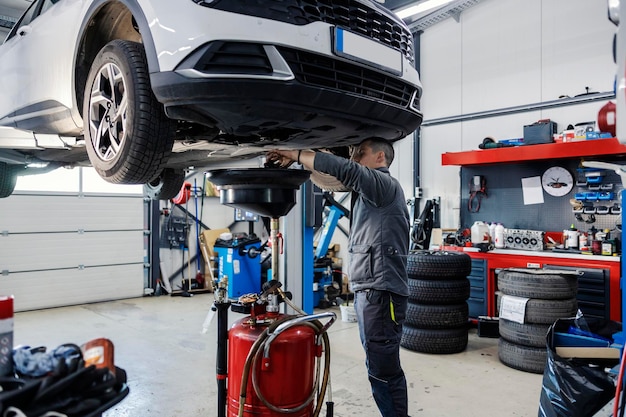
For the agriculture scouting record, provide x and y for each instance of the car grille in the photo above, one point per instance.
(360, 17)
(312, 69)
(308, 68)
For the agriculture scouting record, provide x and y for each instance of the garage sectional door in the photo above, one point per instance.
(59, 250)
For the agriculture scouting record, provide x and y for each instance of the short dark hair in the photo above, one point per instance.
(380, 144)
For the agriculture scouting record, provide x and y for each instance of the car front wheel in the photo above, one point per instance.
(127, 134)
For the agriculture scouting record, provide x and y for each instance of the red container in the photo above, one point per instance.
(285, 380)
(6, 335)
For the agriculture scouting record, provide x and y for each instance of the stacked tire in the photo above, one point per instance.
(437, 315)
(551, 296)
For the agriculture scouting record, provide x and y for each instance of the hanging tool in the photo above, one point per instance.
(423, 225)
(478, 190)
(186, 289)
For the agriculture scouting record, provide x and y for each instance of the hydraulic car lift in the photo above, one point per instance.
(325, 288)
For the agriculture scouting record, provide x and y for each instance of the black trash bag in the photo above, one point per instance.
(577, 387)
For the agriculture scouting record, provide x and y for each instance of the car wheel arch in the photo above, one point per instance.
(94, 36)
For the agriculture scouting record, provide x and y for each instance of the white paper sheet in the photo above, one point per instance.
(513, 308)
(532, 191)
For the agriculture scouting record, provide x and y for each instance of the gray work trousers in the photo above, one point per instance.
(380, 315)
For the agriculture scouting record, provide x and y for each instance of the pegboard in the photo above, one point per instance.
(174, 230)
(504, 202)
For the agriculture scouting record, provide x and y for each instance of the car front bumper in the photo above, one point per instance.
(325, 103)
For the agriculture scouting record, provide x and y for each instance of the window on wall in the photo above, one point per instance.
(69, 181)
(59, 180)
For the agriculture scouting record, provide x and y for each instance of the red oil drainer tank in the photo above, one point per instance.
(282, 374)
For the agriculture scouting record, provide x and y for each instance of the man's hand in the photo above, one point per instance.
(282, 158)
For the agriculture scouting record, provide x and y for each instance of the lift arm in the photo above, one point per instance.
(337, 211)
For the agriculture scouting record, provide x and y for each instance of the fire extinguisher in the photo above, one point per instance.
(607, 118)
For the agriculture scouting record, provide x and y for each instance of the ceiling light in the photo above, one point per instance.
(421, 8)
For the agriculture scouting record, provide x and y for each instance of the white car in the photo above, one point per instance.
(143, 89)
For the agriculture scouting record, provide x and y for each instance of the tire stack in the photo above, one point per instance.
(551, 296)
(437, 314)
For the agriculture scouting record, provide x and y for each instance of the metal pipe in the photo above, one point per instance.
(586, 98)
(275, 247)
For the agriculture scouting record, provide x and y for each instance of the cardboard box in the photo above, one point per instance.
(588, 352)
(569, 345)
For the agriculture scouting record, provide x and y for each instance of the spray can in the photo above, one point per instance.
(499, 236)
(6, 335)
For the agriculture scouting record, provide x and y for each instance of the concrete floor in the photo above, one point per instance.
(171, 364)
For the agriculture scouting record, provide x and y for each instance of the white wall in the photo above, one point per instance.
(67, 237)
(505, 53)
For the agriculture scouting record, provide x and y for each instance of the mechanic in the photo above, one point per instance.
(378, 247)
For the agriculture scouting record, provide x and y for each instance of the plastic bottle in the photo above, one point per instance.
(480, 232)
(6, 335)
(592, 234)
(571, 238)
(499, 236)
(492, 232)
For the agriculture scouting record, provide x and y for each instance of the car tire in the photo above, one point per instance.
(127, 134)
(166, 186)
(434, 316)
(525, 334)
(8, 179)
(522, 358)
(538, 311)
(443, 291)
(427, 264)
(436, 341)
(543, 286)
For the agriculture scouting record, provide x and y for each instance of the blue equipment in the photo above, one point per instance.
(325, 287)
(238, 260)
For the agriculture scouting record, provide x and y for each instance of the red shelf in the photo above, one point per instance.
(594, 147)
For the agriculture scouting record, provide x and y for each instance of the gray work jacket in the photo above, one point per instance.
(379, 230)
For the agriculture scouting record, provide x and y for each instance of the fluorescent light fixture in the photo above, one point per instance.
(421, 8)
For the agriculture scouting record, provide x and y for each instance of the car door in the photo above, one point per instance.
(36, 68)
